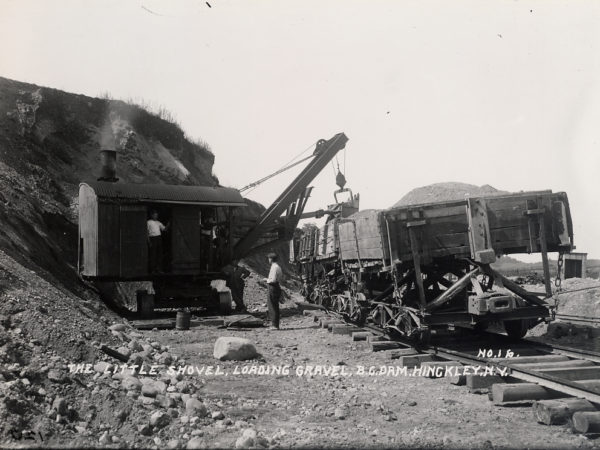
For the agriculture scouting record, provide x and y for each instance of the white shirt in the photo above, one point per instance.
(155, 228)
(275, 274)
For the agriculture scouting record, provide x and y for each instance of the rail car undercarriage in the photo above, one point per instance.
(391, 301)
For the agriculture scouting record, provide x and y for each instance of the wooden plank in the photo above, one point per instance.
(242, 321)
(479, 227)
(414, 246)
(161, 324)
(88, 231)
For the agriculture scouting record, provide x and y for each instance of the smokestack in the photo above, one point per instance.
(108, 159)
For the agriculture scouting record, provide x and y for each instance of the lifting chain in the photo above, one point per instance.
(559, 265)
(558, 282)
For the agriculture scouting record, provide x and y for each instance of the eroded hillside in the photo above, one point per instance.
(50, 141)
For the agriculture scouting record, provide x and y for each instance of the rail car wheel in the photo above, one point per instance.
(403, 325)
(340, 304)
(358, 313)
(516, 329)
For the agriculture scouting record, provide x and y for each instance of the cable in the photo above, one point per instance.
(250, 187)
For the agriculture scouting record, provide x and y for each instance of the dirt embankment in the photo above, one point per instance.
(50, 142)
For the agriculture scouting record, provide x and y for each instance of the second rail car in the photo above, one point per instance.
(415, 268)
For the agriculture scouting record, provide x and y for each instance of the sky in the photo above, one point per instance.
(503, 93)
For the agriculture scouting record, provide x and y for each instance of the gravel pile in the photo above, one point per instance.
(443, 192)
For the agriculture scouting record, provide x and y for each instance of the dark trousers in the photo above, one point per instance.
(273, 303)
(237, 292)
(155, 253)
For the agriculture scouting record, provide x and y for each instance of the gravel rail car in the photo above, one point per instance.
(412, 269)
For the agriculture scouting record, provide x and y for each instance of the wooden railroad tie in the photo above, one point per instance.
(457, 379)
(336, 323)
(378, 346)
(479, 384)
(586, 422)
(413, 361)
(324, 323)
(345, 329)
(361, 335)
(437, 369)
(521, 392)
(560, 411)
(397, 354)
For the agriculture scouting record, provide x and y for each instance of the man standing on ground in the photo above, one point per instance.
(236, 282)
(155, 252)
(274, 281)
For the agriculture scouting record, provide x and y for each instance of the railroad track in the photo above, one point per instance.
(563, 383)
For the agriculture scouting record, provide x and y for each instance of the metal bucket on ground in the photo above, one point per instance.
(183, 319)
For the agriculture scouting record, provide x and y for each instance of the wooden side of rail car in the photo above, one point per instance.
(477, 228)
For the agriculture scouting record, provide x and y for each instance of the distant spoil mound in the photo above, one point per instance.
(581, 297)
(444, 192)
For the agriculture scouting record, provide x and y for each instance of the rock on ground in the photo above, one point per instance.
(234, 348)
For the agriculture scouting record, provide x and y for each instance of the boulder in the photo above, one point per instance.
(135, 346)
(244, 442)
(195, 407)
(117, 327)
(165, 358)
(217, 415)
(55, 375)
(195, 443)
(149, 390)
(249, 432)
(137, 359)
(159, 419)
(234, 348)
(124, 351)
(60, 406)
(131, 383)
(339, 413)
(145, 430)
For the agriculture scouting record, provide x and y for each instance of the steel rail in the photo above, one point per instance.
(567, 387)
(557, 384)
